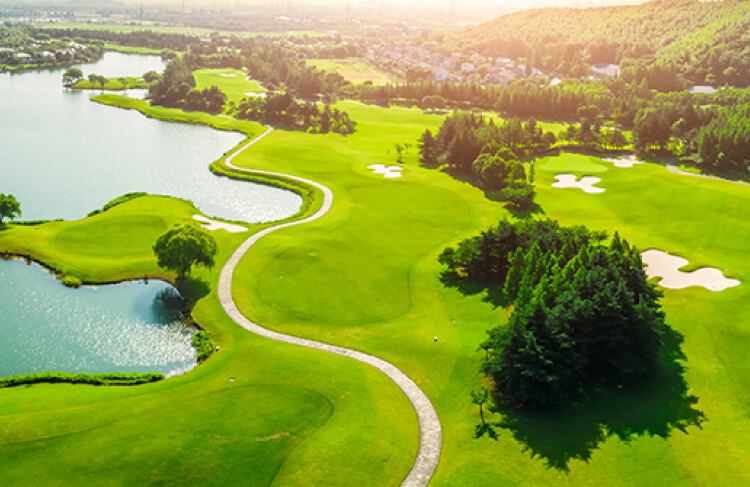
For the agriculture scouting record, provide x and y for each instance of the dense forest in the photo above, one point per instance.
(583, 313)
(707, 41)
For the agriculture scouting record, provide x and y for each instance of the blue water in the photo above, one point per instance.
(62, 155)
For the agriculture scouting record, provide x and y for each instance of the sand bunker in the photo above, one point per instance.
(228, 75)
(586, 183)
(625, 161)
(212, 225)
(386, 171)
(666, 266)
(256, 94)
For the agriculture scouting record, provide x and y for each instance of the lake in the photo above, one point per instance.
(114, 328)
(62, 156)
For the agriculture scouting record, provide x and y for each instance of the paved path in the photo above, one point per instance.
(675, 169)
(429, 424)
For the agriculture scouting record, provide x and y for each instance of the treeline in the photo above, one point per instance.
(716, 137)
(583, 312)
(136, 38)
(176, 88)
(703, 38)
(282, 109)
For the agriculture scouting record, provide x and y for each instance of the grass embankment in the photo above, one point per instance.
(366, 277)
(178, 115)
(356, 70)
(111, 84)
(288, 414)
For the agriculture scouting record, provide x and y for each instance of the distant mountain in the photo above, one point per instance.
(707, 42)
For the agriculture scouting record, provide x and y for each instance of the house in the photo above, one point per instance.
(23, 58)
(468, 68)
(440, 74)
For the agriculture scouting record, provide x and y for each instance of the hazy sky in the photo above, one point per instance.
(475, 10)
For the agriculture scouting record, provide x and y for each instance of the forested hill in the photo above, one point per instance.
(707, 41)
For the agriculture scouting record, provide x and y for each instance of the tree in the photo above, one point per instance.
(150, 77)
(71, 76)
(182, 247)
(9, 207)
(123, 81)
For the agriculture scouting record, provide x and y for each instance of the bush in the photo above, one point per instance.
(203, 345)
(70, 281)
(107, 379)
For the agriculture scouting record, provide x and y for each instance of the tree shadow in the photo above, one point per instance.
(658, 405)
(493, 293)
(193, 289)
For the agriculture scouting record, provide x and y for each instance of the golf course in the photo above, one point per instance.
(357, 267)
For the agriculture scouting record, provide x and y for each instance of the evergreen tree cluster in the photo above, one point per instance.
(281, 109)
(724, 142)
(584, 315)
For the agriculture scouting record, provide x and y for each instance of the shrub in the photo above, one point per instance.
(70, 281)
(107, 379)
(203, 345)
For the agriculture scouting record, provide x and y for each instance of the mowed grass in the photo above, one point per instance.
(290, 417)
(111, 84)
(366, 276)
(232, 82)
(356, 70)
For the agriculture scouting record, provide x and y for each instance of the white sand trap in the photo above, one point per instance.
(387, 171)
(666, 266)
(255, 94)
(625, 161)
(228, 75)
(586, 183)
(212, 225)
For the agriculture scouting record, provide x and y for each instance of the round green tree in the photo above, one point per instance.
(182, 247)
(9, 207)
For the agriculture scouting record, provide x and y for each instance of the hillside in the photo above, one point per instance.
(706, 41)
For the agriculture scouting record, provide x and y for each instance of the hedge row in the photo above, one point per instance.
(106, 379)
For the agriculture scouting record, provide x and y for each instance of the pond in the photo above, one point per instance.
(62, 156)
(125, 327)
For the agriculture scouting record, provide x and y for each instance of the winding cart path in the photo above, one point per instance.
(429, 424)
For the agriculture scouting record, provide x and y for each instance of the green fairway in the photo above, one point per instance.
(232, 82)
(356, 70)
(366, 276)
